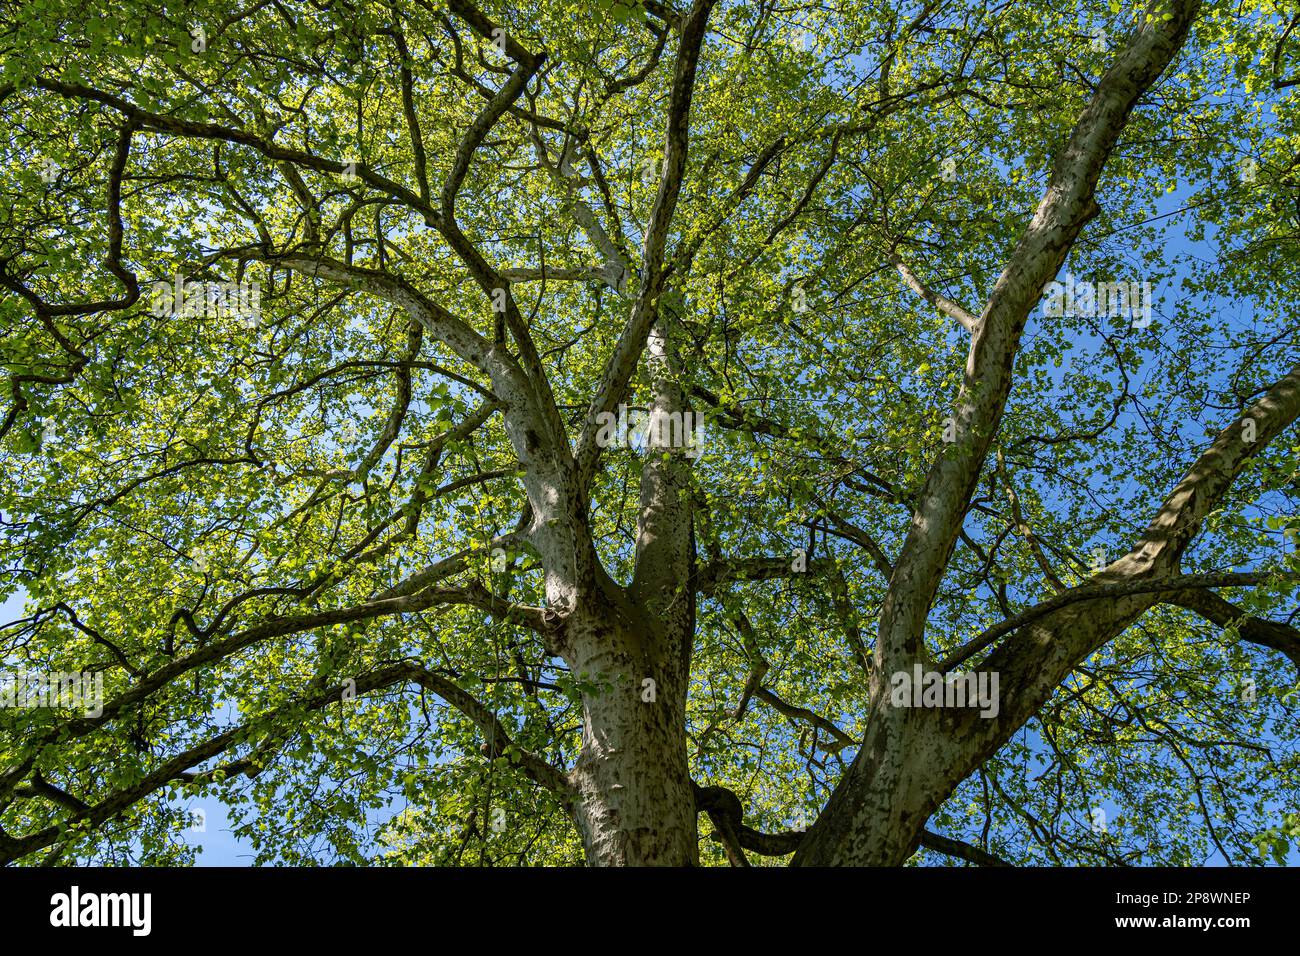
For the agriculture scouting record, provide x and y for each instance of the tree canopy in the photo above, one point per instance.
(462, 432)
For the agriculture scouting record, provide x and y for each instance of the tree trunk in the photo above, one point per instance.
(636, 804)
(636, 800)
(878, 811)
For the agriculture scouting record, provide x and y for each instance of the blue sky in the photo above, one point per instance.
(219, 845)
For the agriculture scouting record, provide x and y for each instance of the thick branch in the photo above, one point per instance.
(963, 851)
(627, 352)
(1066, 207)
(941, 302)
(1271, 634)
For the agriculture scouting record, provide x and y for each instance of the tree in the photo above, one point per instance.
(469, 432)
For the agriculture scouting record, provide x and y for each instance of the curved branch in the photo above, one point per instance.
(1179, 584)
(1271, 634)
(178, 767)
(941, 302)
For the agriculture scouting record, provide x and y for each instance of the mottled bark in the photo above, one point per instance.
(635, 804)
